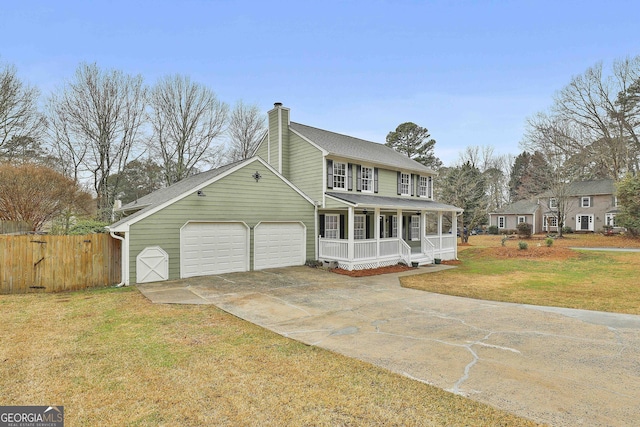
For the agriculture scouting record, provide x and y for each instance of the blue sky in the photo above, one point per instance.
(469, 71)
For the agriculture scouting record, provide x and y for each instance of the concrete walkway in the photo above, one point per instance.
(557, 366)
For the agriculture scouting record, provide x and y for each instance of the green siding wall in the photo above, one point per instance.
(236, 197)
(387, 180)
(305, 167)
(273, 158)
(263, 148)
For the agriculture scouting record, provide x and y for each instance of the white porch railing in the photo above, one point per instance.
(373, 253)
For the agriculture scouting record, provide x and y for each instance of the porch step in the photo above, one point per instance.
(421, 259)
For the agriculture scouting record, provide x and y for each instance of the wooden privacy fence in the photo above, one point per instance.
(34, 263)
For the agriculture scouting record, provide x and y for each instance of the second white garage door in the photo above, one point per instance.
(213, 248)
(279, 244)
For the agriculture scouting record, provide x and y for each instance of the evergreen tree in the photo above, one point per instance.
(416, 142)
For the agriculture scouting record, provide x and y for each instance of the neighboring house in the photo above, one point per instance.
(306, 194)
(590, 206)
(521, 211)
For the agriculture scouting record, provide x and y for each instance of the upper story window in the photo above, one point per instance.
(366, 179)
(339, 175)
(585, 202)
(553, 203)
(425, 187)
(405, 184)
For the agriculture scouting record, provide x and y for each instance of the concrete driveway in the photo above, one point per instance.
(557, 366)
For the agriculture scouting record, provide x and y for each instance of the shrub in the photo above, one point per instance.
(548, 241)
(523, 246)
(88, 226)
(493, 229)
(567, 230)
(524, 230)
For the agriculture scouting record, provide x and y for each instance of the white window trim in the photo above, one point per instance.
(522, 219)
(394, 226)
(370, 180)
(402, 184)
(345, 175)
(583, 199)
(423, 190)
(415, 227)
(360, 227)
(503, 220)
(610, 219)
(554, 220)
(335, 230)
(553, 203)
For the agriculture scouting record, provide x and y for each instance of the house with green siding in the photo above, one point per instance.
(306, 194)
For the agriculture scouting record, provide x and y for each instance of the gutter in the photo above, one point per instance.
(122, 269)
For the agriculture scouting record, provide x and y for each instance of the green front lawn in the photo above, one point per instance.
(603, 281)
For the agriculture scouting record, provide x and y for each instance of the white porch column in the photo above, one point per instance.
(350, 233)
(423, 230)
(454, 230)
(399, 216)
(440, 228)
(376, 229)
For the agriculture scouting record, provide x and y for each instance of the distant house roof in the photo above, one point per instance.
(588, 188)
(367, 200)
(521, 207)
(358, 149)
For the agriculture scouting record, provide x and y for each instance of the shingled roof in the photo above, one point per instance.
(521, 207)
(163, 195)
(588, 188)
(358, 149)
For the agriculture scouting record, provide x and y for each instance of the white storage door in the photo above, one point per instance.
(208, 248)
(279, 244)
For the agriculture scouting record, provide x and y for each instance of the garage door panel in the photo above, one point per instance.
(214, 248)
(279, 245)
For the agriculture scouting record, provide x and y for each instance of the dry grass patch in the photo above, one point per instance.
(574, 240)
(555, 276)
(113, 358)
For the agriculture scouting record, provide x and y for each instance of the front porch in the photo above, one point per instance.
(373, 253)
(362, 232)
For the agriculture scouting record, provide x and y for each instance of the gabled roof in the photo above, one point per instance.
(367, 200)
(521, 207)
(165, 196)
(358, 149)
(588, 188)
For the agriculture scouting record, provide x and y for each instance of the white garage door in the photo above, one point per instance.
(279, 244)
(213, 248)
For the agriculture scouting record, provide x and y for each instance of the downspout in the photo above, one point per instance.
(123, 268)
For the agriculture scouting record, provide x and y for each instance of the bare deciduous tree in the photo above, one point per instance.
(96, 122)
(187, 118)
(19, 116)
(593, 122)
(246, 128)
(36, 194)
